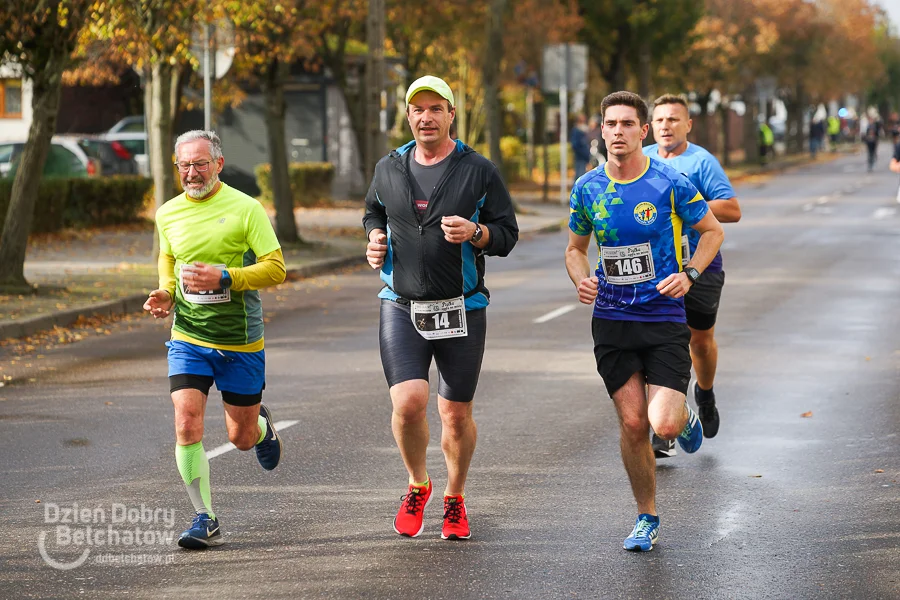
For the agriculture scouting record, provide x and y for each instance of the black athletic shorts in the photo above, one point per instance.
(660, 350)
(701, 303)
(406, 355)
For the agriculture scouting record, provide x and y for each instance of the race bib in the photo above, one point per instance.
(198, 297)
(625, 265)
(685, 251)
(439, 319)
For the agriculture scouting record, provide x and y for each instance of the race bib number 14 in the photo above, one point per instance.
(439, 319)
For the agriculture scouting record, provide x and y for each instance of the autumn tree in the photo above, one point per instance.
(270, 38)
(730, 49)
(37, 40)
(155, 36)
(884, 91)
(632, 37)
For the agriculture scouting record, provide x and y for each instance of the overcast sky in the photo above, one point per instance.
(893, 9)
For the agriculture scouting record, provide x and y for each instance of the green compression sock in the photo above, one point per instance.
(263, 428)
(193, 465)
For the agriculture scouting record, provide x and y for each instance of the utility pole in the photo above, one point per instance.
(374, 98)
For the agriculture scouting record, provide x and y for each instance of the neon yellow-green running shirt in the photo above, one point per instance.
(229, 229)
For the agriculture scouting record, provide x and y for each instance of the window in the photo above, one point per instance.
(10, 98)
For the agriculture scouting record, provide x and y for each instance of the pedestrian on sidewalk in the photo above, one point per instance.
(581, 147)
(216, 249)
(671, 124)
(434, 210)
(895, 161)
(635, 207)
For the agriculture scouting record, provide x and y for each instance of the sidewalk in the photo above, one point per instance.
(108, 272)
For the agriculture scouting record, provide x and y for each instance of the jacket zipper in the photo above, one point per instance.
(454, 162)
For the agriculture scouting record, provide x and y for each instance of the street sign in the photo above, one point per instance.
(564, 70)
(564, 65)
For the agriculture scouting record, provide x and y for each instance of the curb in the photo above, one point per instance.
(135, 302)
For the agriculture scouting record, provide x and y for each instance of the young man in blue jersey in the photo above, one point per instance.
(636, 207)
(671, 124)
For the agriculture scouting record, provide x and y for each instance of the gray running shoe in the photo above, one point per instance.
(663, 448)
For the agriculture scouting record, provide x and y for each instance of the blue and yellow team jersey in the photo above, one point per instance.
(707, 175)
(638, 226)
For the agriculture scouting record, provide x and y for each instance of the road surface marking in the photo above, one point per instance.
(556, 313)
(884, 212)
(279, 427)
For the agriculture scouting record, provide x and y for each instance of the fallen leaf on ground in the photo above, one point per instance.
(807, 414)
(755, 476)
(879, 470)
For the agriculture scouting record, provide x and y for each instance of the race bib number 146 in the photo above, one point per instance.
(625, 265)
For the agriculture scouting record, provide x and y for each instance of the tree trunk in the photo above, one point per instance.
(273, 88)
(726, 133)
(46, 89)
(159, 134)
(794, 133)
(645, 70)
(751, 127)
(491, 65)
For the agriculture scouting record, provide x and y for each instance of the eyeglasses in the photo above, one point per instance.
(201, 166)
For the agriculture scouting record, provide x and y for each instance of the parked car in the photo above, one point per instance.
(64, 159)
(133, 124)
(132, 135)
(115, 158)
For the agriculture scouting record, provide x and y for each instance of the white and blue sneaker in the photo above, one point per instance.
(644, 534)
(203, 533)
(691, 436)
(268, 451)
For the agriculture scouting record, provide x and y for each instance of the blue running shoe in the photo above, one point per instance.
(268, 451)
(644, 534)
(203, 533)
(691, 436)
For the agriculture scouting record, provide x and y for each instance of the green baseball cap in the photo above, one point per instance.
(430, 82)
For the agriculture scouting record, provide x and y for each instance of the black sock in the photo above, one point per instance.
(704, 396)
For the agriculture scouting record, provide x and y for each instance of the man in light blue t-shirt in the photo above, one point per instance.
(671, 124)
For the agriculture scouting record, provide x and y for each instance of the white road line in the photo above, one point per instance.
(884, 212)
(279, 426)
(556, 313)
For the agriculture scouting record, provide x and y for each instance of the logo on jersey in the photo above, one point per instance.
(645, 213)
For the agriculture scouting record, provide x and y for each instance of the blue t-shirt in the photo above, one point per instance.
(705, 172)
(638, 226)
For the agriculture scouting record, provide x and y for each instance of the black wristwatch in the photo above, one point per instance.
(225, 281)
(476, 237)
(692, 273)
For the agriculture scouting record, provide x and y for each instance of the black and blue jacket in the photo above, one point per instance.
(420, 264)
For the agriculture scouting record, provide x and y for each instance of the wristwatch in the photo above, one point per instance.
(692, 273)
(476, 237)
(225, 281)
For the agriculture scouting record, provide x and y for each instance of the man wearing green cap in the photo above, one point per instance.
(434, 209)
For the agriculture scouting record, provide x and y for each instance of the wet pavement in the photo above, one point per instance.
(797, 497)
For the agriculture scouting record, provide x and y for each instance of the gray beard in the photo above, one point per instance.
(196, 194)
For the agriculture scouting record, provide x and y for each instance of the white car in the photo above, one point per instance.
(65, 158)
(131, 134)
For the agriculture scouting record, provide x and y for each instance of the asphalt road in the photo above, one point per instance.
(778, 505)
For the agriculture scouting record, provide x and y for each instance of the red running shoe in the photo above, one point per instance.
(456, 520)
(408, 521)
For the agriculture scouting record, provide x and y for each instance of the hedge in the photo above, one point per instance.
(82, 202)
(310, 183)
